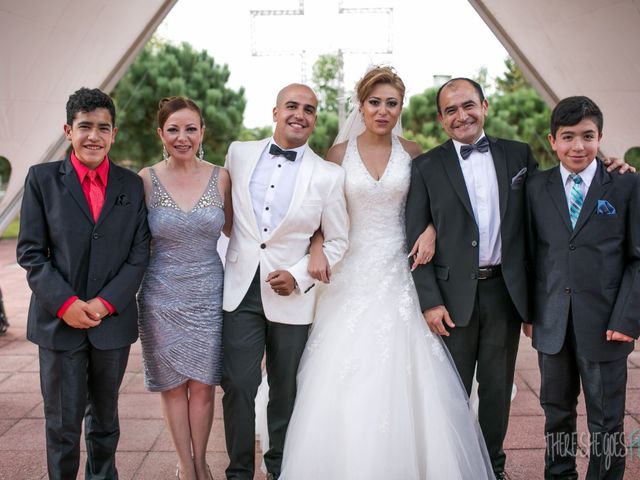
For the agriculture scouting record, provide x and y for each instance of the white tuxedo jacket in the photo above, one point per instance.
(317, 201)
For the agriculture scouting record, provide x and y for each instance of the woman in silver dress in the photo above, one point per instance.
(180, 299)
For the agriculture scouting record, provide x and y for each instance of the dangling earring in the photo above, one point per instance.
(201, 153)
(165, 154)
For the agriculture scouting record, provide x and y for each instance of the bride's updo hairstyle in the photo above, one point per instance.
(169, 105)
(376, 76)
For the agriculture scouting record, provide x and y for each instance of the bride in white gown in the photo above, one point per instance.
(378, 395)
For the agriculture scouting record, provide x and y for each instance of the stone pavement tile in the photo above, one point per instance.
(525, 432)
(33, 365)
(525, 464)
(19, 347)
(26, 434)
(17, 405)
(633, 401)
(634, 357)
(138, 435)
(216, 440)
(23, 465)
(531, 378)
(527, 359)
(633, 377)
(217, 408)
(3, 377)
(526, 403)
(134, 383)
(13, 363)
(21, 382)
(127, 464)
(139, 405)
(134, 365)
(6, 425)
(159, 465)
(36, 412)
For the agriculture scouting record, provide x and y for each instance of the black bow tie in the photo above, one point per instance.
(481, 145)
(288, 154)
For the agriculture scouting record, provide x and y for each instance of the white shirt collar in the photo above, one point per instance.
(299, 150)
(586, 175)
(458, 145)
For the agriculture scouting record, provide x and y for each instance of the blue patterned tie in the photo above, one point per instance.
(576, 199)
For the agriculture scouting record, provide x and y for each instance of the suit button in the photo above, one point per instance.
(263, 245)
(96, 236)
(567, 290)
(572, 246)
(474, 244)
(473, 276)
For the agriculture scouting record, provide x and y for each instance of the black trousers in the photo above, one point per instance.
(490, 340)
(76, 384)
(604, 385)
(246, 335)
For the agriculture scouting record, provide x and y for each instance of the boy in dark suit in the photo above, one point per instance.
(84, 242)
(584, 242)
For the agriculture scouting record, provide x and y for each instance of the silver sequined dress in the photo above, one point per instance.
(180, 299)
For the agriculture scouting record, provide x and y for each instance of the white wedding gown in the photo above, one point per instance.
(378, 395)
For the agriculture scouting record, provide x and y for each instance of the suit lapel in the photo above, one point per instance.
(114, 187)
(500, 164)
(302, 185)
(72, 183)
(558, 196)
(454, 172)
(597, 190)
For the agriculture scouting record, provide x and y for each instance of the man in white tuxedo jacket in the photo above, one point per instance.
(282, 193)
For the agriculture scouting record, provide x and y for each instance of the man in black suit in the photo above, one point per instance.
(584, 240)
(474, 291)
(84, 242)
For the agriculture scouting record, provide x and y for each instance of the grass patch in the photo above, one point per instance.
(13, 229)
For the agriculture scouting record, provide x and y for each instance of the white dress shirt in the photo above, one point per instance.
(482, 185)
(586, 175)
(271, 187)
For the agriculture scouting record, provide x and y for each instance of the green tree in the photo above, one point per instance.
(161, 70)
(420, 120)
(512, 79)
(5, 173)
(327, 72)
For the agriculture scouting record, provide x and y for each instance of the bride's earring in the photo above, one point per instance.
(201, 152)
(165, 154)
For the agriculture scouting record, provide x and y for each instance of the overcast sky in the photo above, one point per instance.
(426, 37)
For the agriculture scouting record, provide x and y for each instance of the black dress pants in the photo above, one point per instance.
(76, 384)
(246, 334)
(490, 340)
(604, 385)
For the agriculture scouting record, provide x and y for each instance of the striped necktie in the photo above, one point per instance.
(576, 199)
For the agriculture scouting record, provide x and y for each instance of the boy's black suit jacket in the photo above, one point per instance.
(66, 253)
(593, 269)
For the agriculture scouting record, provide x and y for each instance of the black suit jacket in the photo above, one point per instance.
(66, 253)
(593, 269)
(438, 194)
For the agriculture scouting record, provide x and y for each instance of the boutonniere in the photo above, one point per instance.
(122, 200)
(605, 208)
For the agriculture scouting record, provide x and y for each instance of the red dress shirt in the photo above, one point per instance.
(94, 186)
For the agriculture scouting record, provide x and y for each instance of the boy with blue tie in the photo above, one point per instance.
(584, 246)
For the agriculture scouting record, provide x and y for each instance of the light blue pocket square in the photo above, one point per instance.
(605, 208)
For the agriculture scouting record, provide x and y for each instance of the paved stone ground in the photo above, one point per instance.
(145, 451)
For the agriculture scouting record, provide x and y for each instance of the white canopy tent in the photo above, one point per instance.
(52, 47)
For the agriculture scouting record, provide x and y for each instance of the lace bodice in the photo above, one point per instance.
(376, 207)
